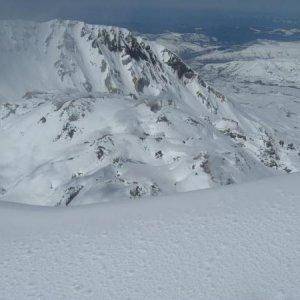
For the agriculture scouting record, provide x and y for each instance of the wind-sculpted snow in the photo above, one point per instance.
(238, 242)
(92, 113)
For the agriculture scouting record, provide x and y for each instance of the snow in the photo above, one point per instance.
(91, 113)
(238, 242)
(264, 79)
(261, 78)
(186, 45)
(270, 62)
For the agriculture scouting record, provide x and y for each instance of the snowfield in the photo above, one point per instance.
(237, 242)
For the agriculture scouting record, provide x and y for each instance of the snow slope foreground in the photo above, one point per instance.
(238, 242)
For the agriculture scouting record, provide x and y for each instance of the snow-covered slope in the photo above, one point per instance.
(91, 113)
(238, 242)
(267, 62)
(185, 45)
(261, 77)
(264, 79)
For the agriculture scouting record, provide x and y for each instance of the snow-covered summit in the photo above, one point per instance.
(70, 55)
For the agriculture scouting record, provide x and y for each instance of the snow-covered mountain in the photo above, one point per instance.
(67, 56)
(91, 113)
(185, 45)
(261, 77)
(266, 62)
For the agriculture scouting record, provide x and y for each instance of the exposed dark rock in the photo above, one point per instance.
(286, 169)
(88, 87)
(134, 49)
(158, 154)
(136, 192)
(163, 119)
(2, 191)
(229, 181)
(155, 190)
(272, 163)
(291, 146)
(103, 66)
(42, 120)
(179, 66)
(9, 109)
(113, 44)
(235, 135)
(71, 193)
(205, 165)
(70, 130)
(97, 44)
(269, 144)
(140, 84)
(158, 139)
(155, 106)
(74, 117)
(118, 161)
(192, 121)
(76, 175)
(100, 152)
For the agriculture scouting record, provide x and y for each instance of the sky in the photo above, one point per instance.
(147, 14)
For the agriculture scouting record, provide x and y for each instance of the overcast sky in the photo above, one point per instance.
(130, 11)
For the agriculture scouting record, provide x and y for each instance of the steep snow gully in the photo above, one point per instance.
(236, 242)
